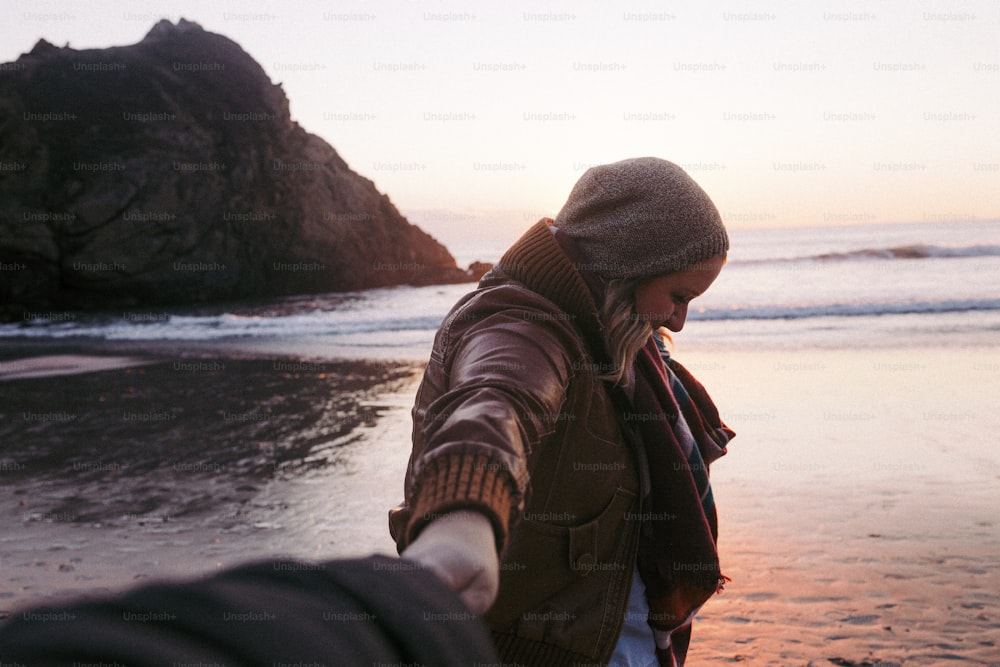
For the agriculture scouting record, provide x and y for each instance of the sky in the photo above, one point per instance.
(477, 118)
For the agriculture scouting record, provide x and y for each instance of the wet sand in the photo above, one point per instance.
(858, 508)
(857, 503)
(187, 463)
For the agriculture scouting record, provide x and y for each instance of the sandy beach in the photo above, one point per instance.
(857, 504)
(857, 508)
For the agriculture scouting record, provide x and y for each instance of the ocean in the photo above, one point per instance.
(783, 288)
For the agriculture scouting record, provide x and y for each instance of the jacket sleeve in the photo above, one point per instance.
(504, 381)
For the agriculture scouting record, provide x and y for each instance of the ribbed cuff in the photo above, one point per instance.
(464, 481)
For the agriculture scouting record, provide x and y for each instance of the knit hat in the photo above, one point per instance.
(641, 217)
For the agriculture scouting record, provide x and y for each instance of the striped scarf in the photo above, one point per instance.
(678, 560)
(718, 433)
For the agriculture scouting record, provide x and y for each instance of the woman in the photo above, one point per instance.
(559, 473)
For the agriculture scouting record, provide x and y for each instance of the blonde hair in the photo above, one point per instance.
(624, 330)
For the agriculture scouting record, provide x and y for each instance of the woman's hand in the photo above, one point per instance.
(460, 548)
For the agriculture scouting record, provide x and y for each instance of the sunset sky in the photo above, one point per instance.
(787, 113)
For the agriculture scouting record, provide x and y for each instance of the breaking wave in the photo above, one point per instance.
(902, 252)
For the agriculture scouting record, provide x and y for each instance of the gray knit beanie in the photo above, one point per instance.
(641, 217)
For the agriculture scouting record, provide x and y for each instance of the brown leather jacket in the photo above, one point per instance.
(511, 420)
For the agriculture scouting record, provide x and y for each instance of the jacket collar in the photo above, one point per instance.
(539, 262)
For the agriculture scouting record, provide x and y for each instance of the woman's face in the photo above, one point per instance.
(663, 300)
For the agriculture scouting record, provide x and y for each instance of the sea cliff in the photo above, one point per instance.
(171, 172)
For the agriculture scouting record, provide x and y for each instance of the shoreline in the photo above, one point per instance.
(856, 503)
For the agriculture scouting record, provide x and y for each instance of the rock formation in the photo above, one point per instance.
(170, 172)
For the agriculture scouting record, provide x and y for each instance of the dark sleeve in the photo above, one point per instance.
(507, 378)
(350, 612)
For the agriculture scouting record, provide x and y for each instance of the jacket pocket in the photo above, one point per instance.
(558, 576)
(578, 469)
(589, 544)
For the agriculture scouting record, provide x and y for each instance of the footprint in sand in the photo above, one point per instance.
(862, 619)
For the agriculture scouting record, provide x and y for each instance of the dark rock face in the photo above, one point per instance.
(170, 172)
